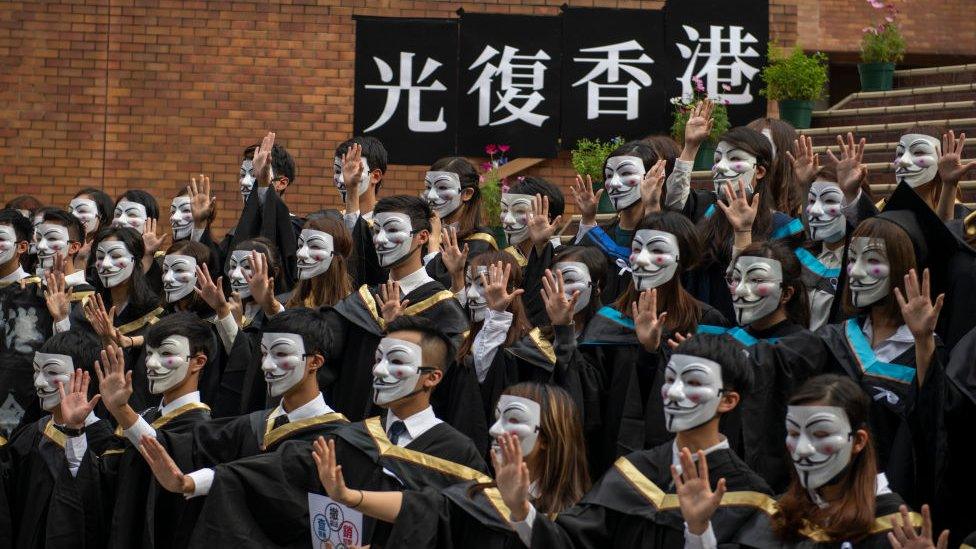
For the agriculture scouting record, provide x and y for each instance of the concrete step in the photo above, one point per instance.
(908, 96)
(887, 132)
(892, 114)
(885, 152)
(931, 76)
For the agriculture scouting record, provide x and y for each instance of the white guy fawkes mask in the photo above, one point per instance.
(49, 369)
(622, 178)
(246, 178)
(52, 241)
(442, 190)
(113, 263)
(179, 276)
(35, 235)
(515, 210)
(168, 364)
(917, 159)
(474, 293)
(868, 270)
(691, 391)
(239, 268)
(282, 361)
(756, 284)
(86, 211)
(653, 258)
(130, 214)
(820, 442)
(825, 220)
(181, 217)
(517, 416)
(8, 243)
(397, 370)
(392, 237)
(732, 164)
(315, 251)
(576, 277)
(340, 184)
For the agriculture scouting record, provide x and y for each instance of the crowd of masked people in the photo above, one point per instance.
(780, 360)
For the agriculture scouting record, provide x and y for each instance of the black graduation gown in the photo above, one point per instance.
(478, 241)
(532, 273)
(357, 327)
(271, 219)
(453, 400)
(121, 504)
(783, 356)
(364, 265)
(37, 462)
(262, 501)
(6, 525)
(634, 505)
(759, 534)
(614, 242)
(26, 324)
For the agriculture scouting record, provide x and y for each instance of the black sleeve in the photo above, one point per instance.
(579, 527)
(364, 265)
(532, 282)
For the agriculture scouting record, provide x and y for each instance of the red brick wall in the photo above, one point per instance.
(141, 94)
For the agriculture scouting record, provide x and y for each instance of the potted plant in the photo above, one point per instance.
(881, 47)
(682, 110)
(795, 80)
(492, 188)
(588, 158)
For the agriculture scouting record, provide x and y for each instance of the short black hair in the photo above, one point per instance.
(196, 330)
(415, 207)
(103, 203)
(728, 353)
(23, 228)
(25, 202)
(283, 163)
(532, 185)
(76, 231)
(432, 339)
(80, 345)
(309, 324)
(141, 197)
(373, 150)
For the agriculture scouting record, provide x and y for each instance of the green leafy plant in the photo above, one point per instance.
(883, 43)
(794, 75)
(684, 105)
(491, 198)
(589, 155)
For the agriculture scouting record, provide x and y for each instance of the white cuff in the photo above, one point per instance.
(581, 232)
(74, 452)
(138, 429)
(202, 481)
(429, 257)
(350, 218)
(524, 527)
(227, 328)
(705, 541)
(63, 325)
(489, 339)
(196, 234)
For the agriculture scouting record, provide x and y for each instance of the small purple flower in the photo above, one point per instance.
(726, 87)
(726, 102)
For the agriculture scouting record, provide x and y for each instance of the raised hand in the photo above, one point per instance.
(167, 473)
(559, 309)
(586, 200)
(647, 322)
(352, 172)
(330, 473)
(454, 257)
(436, 227)
(236, 307)
(75, 405)
(201, 201)
(850, 166)
(511, 475)
(102, 321)
(698, 501)
(496, 286)
(806, 163)
(114, 382)
(389, 301)
(152, 241)
(739, 211)
(903, 535)
(211, 292)
(262, 160)
(677, 339)
(917, 309)
(699, 124)
(57, 295)
(540, 229)
(650, 187)
(951, 166)
(262, 287)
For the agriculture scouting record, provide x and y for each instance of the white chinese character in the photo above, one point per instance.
(406, 83)
(611, 65)
(731, 75)
(518, 82)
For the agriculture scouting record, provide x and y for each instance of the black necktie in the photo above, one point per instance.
(152, 414)
(279, 421)
(397, 428)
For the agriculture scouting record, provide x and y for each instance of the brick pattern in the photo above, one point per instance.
(134, 94)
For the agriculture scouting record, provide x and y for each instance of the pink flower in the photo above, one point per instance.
(876, 4)
(699, 85)
(726, 87)
(503, 148)
(481, 179)
(726, 102)
(491, 149)
(890, 18)
(485, 166)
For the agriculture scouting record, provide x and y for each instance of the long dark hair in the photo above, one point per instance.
(596, 263)
(470, 216)
(715, 230)
(141, 295)
(852, 517)
(798, 306)
(786, 190)
(639, 148)
(334, 284)
(520, 320)
(141, 197)
(103, 203)
(264, 246)
(683, 309)
(901, 259)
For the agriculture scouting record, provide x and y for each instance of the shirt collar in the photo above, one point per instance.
(414, 280)
(185, 399)
(901, 335)
(828, 255)
(76, 278)
(14, 276)
(312, 408)
(676, 455)
(416, 424)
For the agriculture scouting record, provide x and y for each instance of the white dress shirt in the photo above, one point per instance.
(14, 276)
(892, 347)
(413, 281)
(821, 301)
(486, 343)
(416, 425)
(142, 428)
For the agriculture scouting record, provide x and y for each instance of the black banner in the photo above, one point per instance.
(723, 43)
(615, 76)
(406, 86)
(509, 81)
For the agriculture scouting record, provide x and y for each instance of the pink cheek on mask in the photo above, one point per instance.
(791, 447)
(659, 260)
(829, 450)
(922, 162)
(876, 271)
(169, 361)
(763, 290)
(695, 398)
(740, 166)
(632, 259)
(833, 210)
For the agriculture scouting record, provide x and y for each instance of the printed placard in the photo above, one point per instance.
(333, 522)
